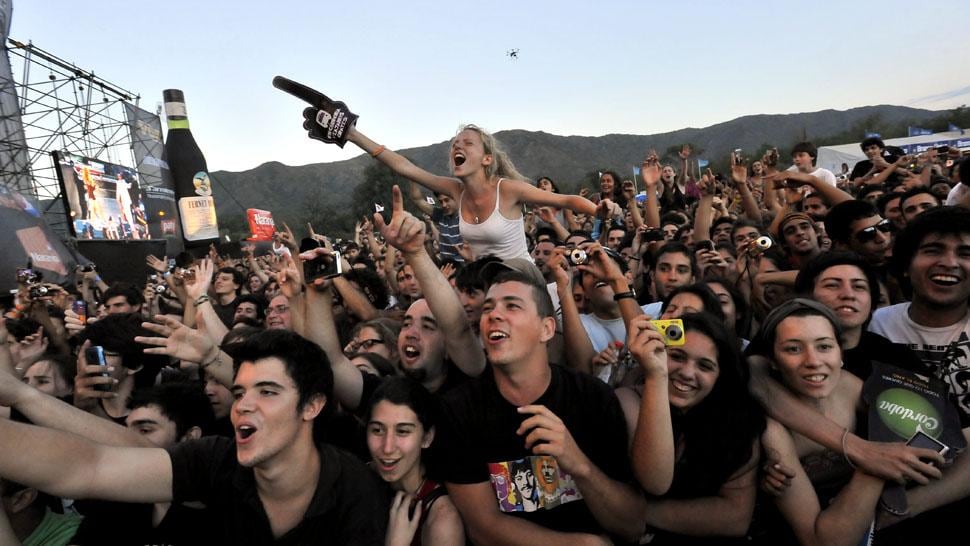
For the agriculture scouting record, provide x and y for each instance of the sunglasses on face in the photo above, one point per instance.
(869, 234)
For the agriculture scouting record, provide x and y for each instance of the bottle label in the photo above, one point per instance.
(202, 185)
(175, 109)
(198, 218)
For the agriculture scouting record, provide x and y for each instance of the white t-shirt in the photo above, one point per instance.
(824, 175)
(956, 194)
(601, 334)
(945, 350)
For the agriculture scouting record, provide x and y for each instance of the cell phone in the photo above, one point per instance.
(924, 440)
(81, 310)
(321, 267)
(706, 244)
(95, 356)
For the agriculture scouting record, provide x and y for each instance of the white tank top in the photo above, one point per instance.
(497, 235)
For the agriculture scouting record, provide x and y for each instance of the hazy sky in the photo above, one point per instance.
(414, 71)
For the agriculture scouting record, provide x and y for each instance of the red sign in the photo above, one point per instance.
(261, 224)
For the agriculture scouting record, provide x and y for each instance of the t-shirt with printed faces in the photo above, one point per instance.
(477, 442)
(945, 351)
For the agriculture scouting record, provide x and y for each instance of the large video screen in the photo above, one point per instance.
(104, 200)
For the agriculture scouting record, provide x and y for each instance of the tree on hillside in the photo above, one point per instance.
(376, 189)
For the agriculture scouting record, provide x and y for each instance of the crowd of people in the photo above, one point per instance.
(685, 358)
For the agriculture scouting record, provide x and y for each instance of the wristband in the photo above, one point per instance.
(380, 149)
(201, 299)
(623, 295)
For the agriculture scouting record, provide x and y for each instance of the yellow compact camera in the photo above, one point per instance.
(672, 330)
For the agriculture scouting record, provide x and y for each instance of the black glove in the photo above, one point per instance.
(327, 120)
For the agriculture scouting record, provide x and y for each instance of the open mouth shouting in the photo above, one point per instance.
(410, 353)
(458, 158)
(244, 433)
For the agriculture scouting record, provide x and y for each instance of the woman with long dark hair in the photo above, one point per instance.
(709, 438)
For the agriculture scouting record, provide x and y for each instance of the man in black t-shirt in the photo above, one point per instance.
(273, 484)
(524, 419)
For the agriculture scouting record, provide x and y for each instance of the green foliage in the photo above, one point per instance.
(376, 189)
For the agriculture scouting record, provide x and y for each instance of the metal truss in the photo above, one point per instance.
(63, 108)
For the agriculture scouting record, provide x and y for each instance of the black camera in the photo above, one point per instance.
(321, 267)
(652, 234)
(706, 244)
(87, 268)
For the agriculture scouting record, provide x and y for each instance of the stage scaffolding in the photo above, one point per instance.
(63, 108)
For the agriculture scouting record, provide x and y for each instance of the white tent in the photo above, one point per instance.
(832, 157)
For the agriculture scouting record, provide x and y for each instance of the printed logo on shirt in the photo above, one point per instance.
(532, 483)
(952, 365)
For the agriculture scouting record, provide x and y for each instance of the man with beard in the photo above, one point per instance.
(798, 231)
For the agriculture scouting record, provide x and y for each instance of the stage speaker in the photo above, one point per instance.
(122, 260)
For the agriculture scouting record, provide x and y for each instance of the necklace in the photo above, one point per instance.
(477, 220)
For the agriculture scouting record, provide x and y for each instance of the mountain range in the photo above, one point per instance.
(284, 189)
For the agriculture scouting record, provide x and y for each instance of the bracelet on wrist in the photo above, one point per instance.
(845, 452)
(201, 299)
(217, 358)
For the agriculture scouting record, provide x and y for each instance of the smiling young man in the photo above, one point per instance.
(797, 229)
(932, 256)
(674, 266)
(523, 409)
(273, 484)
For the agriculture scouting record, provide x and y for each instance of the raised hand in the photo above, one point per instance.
(161, 266)
(646, 345)
(89, 378)
(739, 170)
(607, 357)
(178, 340)
(707, 183)
(600, 265)
(629, 190)
(546, 215)
(199, 285)
(546, 434)
(650, 170)
(290, 278)
(405, 232)
(685, 151)
(400, 525)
